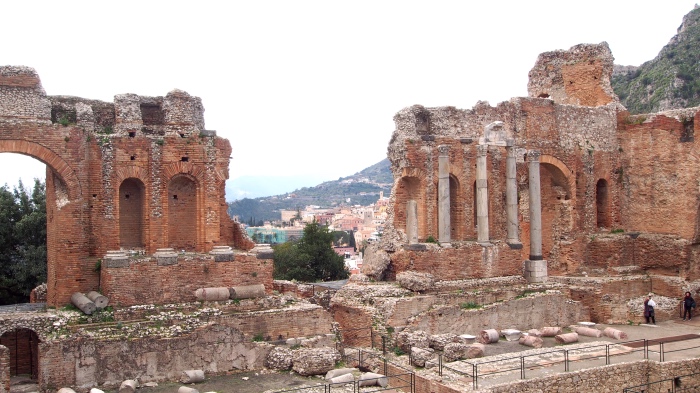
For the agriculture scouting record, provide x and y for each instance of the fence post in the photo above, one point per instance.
(522, 367)
(646, 349)
(607, 354)
(661, 351)
(385, 368)
(371, 337)
(566, 360)
(440, 365)
(475, 376)
(384, 345)
(359, 358)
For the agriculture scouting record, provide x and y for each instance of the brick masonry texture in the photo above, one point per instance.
(145, 279)
(600, 170)
(140, 173)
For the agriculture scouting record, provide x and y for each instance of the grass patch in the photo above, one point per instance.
(258, 337)
(469, 306)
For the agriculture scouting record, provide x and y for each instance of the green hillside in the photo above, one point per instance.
(671, 80)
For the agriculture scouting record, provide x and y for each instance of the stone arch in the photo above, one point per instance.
(602, 204)
(23, 344)
(183, 212)
(457, 215)
(411, 186)
(558, 191)
(48, 157)
(132, 218)
(565, 176)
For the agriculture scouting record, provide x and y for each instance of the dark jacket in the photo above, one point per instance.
(689, 302)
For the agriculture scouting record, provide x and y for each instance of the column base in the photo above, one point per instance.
(514, 244)
(446, 245)
(485, 244)
(535, 271)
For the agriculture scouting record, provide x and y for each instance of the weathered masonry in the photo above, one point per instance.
(136, 175)
(615, 192)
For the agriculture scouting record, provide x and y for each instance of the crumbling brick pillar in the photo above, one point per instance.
(443, 195)
(4, 369)
(535, 267)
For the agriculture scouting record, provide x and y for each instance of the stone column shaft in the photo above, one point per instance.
(412, 221)
(533, 161)
(511, 198)
(444, 228)
(482, 195)
(535, 267)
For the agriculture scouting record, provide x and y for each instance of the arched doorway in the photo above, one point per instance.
(182, 213)
(131, 213)
(557, 207)
(24, 352)
(22, 228)
(457, 219)
(602, 204)
(409, 189)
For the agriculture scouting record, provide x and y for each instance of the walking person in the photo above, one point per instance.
(688, 306)
(649, 305)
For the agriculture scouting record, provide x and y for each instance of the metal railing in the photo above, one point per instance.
(565, 357)
(682, 384)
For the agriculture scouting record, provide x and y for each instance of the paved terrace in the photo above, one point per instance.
(507, 361)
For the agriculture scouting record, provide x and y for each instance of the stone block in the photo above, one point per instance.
(166, 256)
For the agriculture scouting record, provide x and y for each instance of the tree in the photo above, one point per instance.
(22, 242)
(310, 259)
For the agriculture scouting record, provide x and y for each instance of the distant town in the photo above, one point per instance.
(361, 224)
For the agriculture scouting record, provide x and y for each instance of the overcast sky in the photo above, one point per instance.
(311, 87)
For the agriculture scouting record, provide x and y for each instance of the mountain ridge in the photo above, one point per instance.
(361, 188)
(669, 81)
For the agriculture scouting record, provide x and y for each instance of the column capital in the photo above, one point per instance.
(443, 149)
(511, 151)
(482, 150)
(533, 156)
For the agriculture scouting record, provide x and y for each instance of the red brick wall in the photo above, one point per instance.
(146, 282)
(470, 260)
(182, 214)
(355, 324)
(22, 344)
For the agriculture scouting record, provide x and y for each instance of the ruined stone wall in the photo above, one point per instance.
(296, 321)
(143, 280)
(600, 170)
(532, 312)
(660, 169)
(355, 324)
(578, 76)
(4, 369)
(115, 172)
(86, 362)
(466, 260)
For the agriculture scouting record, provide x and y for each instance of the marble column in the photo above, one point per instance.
(512, 199)
(443, 195)
(412, 221)
(482, 195)
(535, 267)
